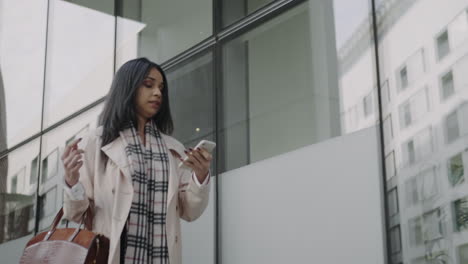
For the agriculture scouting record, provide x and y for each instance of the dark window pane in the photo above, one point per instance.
(456, 169)
(286, 81)
(447, 85)
(160, 30)
(443, 47)
(236, 10)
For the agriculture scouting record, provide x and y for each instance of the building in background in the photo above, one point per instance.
(264, 79)
(423, 55)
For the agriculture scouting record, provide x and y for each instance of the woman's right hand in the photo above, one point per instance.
(72, 162)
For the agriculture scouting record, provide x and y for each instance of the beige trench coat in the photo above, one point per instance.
(108, 183)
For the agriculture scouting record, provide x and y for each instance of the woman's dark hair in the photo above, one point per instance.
(119, 108)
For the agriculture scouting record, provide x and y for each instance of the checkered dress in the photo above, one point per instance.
(145, 240)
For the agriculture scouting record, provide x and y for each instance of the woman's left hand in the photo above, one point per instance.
(199, 160)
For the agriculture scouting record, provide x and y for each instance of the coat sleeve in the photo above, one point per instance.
(74, 209)
(193, 199)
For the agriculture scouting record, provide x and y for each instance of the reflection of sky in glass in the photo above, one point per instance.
(74, 79)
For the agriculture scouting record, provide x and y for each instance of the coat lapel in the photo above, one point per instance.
(116, 152)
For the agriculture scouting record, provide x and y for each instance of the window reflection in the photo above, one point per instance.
(426, 67)
(17, 194)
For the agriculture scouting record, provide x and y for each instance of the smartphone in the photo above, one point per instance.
(204, 144)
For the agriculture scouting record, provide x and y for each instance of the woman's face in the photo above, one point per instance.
(149, 95)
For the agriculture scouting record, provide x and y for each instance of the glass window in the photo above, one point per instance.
(412, 194)
(50, 166)
(191, 84)
(393, 202)
(427, 179)
(14, 184)
(262, 99)
(191, 96)
(47, 203)
(385, 95)
(34, 171)
(463, 254)
(160, 30)
(443, 47)
(456, 170)
(80, 57)
(236, 10)
(404, 78)
(451, 127)
(431, 122)
(368, 105)
(395, 236)
(460, 209)
(412, 69)
(432, 225)
(388, 129)
(390, 165)
(405, 115)
(458, 30)
(411, 154)
(415, 231)
(447, 88)
(22, 52)
(16, 194)
(422, 186)
(414, 108)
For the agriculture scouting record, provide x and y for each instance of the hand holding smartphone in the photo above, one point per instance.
(204, 144)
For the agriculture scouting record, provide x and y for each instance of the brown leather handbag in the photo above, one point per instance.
(67, 245)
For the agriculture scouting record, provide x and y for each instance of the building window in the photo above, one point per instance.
(393, 207)
(50, 166)
(414, 108)
(418, 148)
(456, 169)
(463, 254)
(403, 78)
(422, 186)
(388, 129)
(405, 112)
(447, 88)
(411, 70)
(412, 194)
(460, 211)
(452, 127)
(368, 105)
(411, 154)
(14, 184)
(17, 179)
(385, 94)
(47, 203)
(432, 225)
(415, 231)
(443, 47)
(395, 238)
(390, 166)
(34, 170)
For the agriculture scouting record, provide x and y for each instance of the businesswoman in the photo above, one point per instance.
(127, 171)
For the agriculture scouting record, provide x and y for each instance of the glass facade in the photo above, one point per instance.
(262, 78)
(423, 59)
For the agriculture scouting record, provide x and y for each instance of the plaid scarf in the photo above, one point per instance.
(146, 240)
